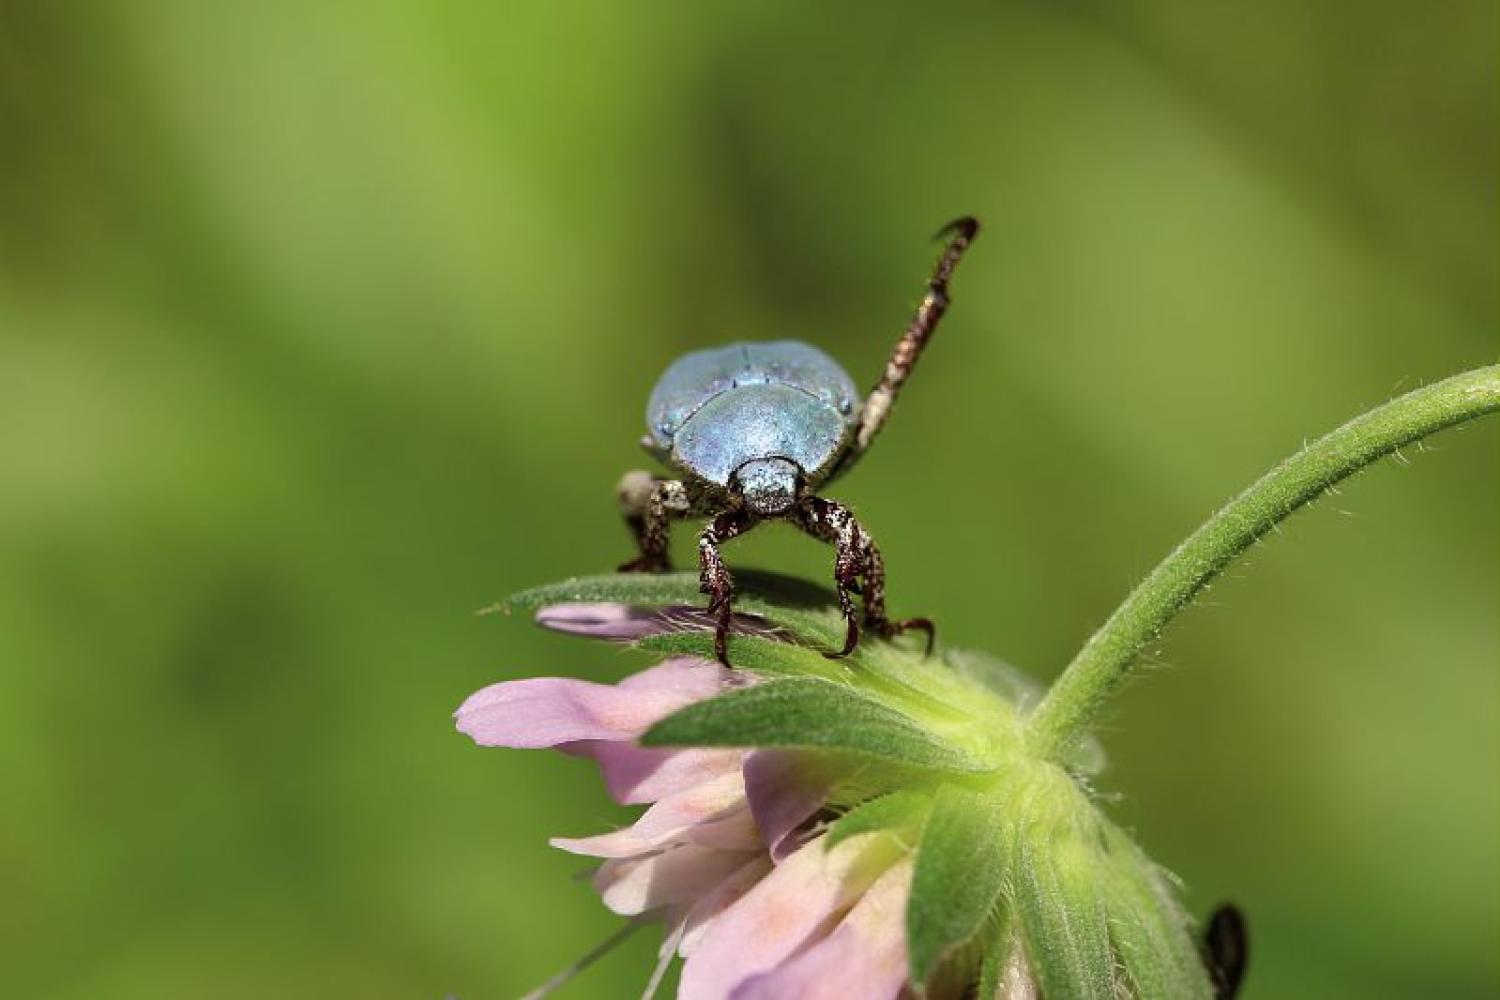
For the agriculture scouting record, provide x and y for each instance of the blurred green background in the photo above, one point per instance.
(321, 327)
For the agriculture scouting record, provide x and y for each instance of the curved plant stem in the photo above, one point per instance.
(1108, 657)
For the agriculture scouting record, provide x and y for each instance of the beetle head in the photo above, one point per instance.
(768, 486)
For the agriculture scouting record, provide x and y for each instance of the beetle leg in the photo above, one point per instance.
(648, 505)
(960, 233)
(713, 576)
(857, 569)
(875, 616)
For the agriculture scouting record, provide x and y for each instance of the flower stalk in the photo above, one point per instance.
(1074, 701)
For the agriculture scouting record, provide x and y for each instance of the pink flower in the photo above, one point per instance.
(728, 854)
(875, 826)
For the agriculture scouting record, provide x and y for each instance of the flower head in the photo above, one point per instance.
(869, 827)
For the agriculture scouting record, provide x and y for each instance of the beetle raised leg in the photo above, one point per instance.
(648, 505)
(713, 576)
(857, 569)
(960, 233)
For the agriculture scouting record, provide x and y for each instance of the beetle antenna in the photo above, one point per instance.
(959, 233)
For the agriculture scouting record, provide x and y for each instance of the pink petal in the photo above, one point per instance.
(786, 911)
(731, 831)
(706, 910)
(786, 788)
(546, 711)
(865, 956)
(679, 874)
(637, 774)
(668, 821)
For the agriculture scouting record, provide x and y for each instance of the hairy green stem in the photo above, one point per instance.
(1077, 696)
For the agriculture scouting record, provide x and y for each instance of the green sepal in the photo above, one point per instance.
(812, 713)
(960, 872)
(991, 968)
(898, 810)
(1016, 687)
(1062, 916)
(1004, 949)
(1149, 929)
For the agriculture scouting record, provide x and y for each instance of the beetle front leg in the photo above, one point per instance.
(713, 576)
(648, 505)
(858, 568)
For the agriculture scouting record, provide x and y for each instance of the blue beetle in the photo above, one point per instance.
(755, 429)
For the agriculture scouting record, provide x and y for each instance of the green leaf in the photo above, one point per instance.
(647, 589)
(1148, 927)
(807, 712)
(960, 871)
(903, 809)
(1063, 917)
(746, 652)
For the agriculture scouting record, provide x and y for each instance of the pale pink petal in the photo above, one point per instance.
(667, 822)
(687, 677)
(707, 909)
(731, 831)
(546, 711)
(636, 774)
(685, 872)
(788, 910)
(786, 788)
(627, 623)
(864, 956)
(601, 620)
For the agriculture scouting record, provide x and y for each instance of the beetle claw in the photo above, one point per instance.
(921, 624)
(722, 608)
(721, 641)
(851, 639)
(965, 226)
(889, 630)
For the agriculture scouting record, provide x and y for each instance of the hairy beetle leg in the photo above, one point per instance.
(725, 616)
(713, 576)
(648, 505)
(858, 568)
